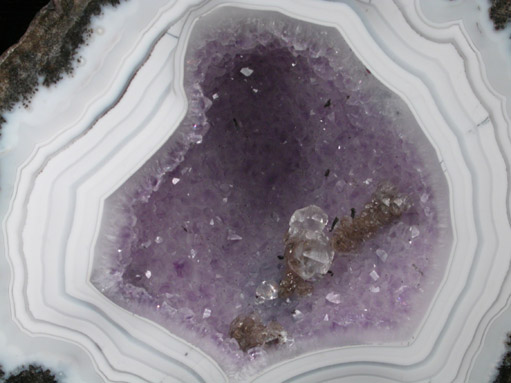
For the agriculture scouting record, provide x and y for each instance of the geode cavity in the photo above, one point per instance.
(281, 115)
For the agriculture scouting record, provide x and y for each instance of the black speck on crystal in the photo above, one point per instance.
(336, 219)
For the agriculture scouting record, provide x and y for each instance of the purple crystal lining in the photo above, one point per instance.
(282, 115)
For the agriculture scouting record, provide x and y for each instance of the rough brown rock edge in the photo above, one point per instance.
(504, 369)
(47, 50)
(32, 374)
(500, 13)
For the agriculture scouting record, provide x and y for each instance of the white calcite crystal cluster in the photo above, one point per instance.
(281, 116)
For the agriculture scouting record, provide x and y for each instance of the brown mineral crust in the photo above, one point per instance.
(386, 206)
(291, 262)
(249, 331)
(292, 283)
(47, 50)
(504, 369)
(500, 13)
(273, 333)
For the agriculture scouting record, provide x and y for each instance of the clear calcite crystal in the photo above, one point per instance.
(281, 115)
(307, 223)
(308, 251)
(267, 291)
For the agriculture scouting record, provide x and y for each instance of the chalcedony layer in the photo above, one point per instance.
(281, 115)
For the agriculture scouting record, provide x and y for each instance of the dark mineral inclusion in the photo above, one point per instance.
(47, 49)
(500, 13)
(32, 374)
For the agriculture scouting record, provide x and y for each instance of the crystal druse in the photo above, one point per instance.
(281, 115)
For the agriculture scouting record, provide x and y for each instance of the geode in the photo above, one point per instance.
(82, 139)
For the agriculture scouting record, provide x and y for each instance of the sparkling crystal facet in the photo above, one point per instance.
(267, 291)
(307, 247)
(333, 298)
(382, 254)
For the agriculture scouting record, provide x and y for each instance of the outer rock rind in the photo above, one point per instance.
(500, 13)
(33, 374)
(46, 50)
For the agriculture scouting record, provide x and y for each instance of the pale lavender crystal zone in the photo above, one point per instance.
(305, 124)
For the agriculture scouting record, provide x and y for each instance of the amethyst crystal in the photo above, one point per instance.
(281, 115)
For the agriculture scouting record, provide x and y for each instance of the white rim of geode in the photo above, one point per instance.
(134, 349)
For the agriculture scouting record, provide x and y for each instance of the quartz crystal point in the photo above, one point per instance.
(308, 251)
(266, 291)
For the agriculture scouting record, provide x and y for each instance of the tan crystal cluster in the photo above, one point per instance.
(385, 206)
(309, 255)
(293, 283)
(249, 331)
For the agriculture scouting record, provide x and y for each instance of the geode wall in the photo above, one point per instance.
(281, 115)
